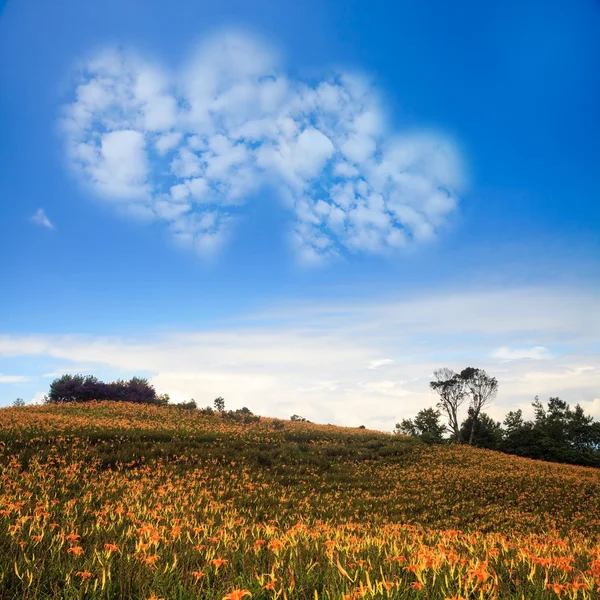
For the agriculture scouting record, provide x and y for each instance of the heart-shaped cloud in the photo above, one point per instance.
(190, 150)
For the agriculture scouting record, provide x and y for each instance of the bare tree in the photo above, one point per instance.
(481, 389)
(451, 389)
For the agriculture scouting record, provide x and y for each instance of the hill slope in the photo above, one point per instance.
(120, 501)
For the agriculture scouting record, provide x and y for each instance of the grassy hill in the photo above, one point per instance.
(113, 500)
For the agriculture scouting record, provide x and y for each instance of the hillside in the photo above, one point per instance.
(124, 501)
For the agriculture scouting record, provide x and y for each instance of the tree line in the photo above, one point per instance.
(557, 433)
(85, 388)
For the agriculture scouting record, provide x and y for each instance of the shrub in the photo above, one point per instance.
(77, 388)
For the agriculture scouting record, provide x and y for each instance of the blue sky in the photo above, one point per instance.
(303, 208)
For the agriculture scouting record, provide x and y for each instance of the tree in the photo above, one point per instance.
(189, 405)
(140, 391)
(219, 404)
(426, 425)
(66, 389)
(77, 388)
(451, 389)
(558, 433)
(513, 421)
(487, 432)
(298, 418)
(481, 389)
(19, 402)
(406, 427)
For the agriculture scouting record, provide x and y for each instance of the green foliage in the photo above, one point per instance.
(219, 404)
(19, 402)
(426, 426)
(487, 432)
(558, 433)
(190, 405)
(299, 418)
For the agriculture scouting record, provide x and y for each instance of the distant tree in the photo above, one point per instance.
(66, 389)
(141, 392)
(406, 427)
(426, 426)
(298, 418)
(451, 389)
(77, 388)
(219, 404)
(513, 421)
(487, 432)
(190, 405)
(19, 402)
(557, 433)
(481, 389)
(164, 400)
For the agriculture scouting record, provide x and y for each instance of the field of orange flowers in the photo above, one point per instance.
(139, 502)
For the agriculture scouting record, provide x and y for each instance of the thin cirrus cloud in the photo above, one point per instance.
(320, 363)
(14, 378)
(533, 353)
(40, 218)
(189, 150)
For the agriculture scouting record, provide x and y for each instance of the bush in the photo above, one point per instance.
(299, 418)
(77, 388)
(190, 405)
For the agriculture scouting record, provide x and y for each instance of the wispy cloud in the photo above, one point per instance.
(320, 364)
(188, 150)
(533, 353)
(40, 218)
(380, 362)
(14, 379)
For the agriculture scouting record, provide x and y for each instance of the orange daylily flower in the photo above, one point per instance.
(237, 595)
(218, 562)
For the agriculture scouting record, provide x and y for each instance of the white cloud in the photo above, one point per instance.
(380, 362)
(231, 122)
(330, 363)
(14, 379)
(533, 353)
(40, 218)
(167, 141)
(38, 398)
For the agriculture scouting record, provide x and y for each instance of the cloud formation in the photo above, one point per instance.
(534, 353)
(40, 218)
(14, 378)
(335, 366)
(189, 149)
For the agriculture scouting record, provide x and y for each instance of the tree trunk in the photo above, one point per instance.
(472, 433)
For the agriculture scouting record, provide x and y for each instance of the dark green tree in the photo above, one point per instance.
(487, 432)
(426, 426)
